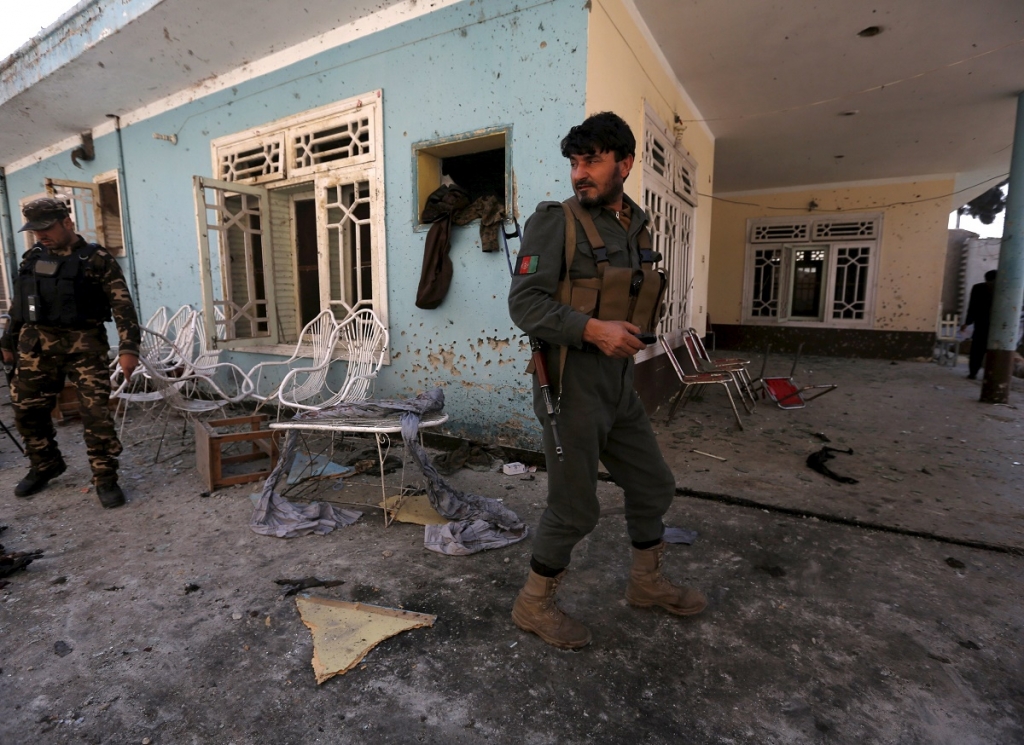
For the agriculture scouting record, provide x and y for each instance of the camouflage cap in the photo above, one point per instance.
(42, 213)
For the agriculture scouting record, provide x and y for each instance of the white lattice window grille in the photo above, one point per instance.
(349, 269)
(84, 200)
(332, 142)
(329, 160)
(795, 279)
(845, 230)
(339, 135)
(671, 225)
(232, 221)
(851, 284)
(252, 161)
(685, 179)
(765, 294)
(774, 233)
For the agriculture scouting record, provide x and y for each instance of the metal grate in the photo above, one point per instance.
(252, 161)
(851, 287)
(767, 263)
(845, 230)
(779, 232)
(336, 143)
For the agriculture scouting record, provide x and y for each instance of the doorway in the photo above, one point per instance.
(307, 260)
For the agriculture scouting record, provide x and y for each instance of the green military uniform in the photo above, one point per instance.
(47, 353)
(599, 413)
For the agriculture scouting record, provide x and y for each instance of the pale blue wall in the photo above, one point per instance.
(474, 65)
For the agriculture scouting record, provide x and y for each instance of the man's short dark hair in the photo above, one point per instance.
(600, 133)
(990, 275)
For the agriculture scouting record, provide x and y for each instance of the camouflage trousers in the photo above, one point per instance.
(38, 381)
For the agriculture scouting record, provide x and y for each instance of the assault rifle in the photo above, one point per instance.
(537, 346)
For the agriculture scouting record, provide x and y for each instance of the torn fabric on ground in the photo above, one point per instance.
(276, 516)
(501, 526)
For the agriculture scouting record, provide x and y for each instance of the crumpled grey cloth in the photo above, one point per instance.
(478, 523)
(465, 537)
(276, 516)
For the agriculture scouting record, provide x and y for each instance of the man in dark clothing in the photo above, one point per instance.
(66, 290)
(599, 413)
(979, 312)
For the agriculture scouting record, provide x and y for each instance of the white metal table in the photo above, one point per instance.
(380, 427)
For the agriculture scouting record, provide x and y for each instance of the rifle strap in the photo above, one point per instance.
(565, 289)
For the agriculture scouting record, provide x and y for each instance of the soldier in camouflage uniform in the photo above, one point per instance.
(66, 290)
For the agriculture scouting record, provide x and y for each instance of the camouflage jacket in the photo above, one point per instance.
(104, 269)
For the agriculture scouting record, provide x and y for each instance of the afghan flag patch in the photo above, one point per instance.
(527, 265)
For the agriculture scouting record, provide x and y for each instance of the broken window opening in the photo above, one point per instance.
(479, 162)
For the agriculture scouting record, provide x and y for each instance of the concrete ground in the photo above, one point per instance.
(886, 611)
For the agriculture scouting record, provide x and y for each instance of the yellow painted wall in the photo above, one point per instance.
(622, 72)
(912, 253)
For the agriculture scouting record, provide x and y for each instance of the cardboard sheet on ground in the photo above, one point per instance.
(343, 633)
(319, 466)
(415, 509)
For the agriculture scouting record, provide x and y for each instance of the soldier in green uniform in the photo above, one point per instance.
(600, 416)
(65, 291)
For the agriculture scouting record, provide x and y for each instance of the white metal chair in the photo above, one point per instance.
(365, 342)
(183, 388)
(299, 383)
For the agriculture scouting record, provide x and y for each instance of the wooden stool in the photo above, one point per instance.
(210, 460)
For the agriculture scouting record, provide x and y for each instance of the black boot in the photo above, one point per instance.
(110, 493)
(37, 478)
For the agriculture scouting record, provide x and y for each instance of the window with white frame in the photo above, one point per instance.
(812, 270)
(95, 208)
(294, 224)
(669, 198)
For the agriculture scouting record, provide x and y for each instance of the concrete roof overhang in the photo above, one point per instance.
(933, 94)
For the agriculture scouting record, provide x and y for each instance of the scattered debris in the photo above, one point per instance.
(415, 509)
(967, 644)
(955, 563)
(817, 462)
(343, 632)
(772, 570)
(298, 585)
(701, 452)
(191, 587)
(515, 468)
(62, 649)
(12, 562)
(679, 535)
(319, 467)
(822, 436)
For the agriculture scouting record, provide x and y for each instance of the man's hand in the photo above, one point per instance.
(128, 362)
(8, 357)
(613, 338)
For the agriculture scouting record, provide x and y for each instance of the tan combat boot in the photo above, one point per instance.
(648, 588)
(535, 611)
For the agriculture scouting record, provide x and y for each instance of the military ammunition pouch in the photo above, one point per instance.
(617, 293)
(54, 291)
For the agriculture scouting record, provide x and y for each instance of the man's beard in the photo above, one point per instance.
(612, 194)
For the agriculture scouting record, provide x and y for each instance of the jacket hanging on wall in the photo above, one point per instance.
(436, 274)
